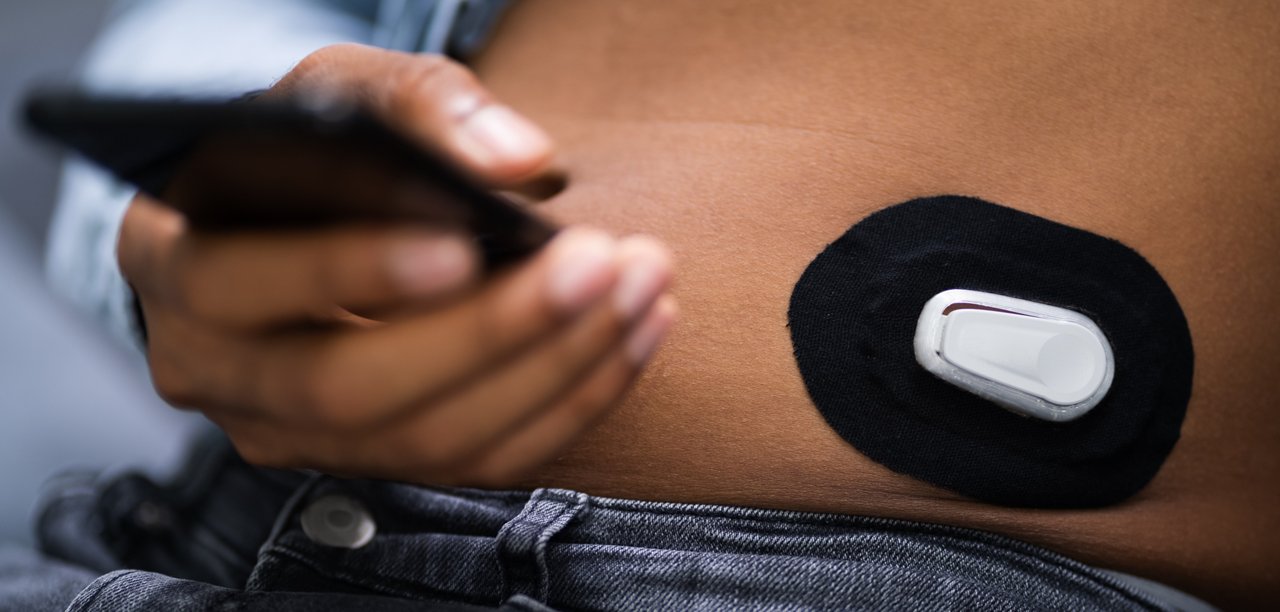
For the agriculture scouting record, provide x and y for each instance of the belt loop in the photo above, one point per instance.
(522, 542)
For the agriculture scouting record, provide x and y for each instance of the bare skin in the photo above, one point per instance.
(460, 379)
(748, 135)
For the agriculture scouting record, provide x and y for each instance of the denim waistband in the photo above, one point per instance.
(571, 550)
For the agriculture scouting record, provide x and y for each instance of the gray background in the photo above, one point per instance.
(69, 396)
(40, 42)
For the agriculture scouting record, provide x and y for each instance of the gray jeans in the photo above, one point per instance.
(232, 537)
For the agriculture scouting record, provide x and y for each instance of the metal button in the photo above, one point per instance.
(339, 521)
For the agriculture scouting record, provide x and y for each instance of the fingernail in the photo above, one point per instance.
(504, 135)
(429, 265)
(644, 339)
(645, 273)
(583, 268)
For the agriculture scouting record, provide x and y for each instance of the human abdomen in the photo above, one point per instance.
(750, 135)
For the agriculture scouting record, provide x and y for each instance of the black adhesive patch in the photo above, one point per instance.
(853, 317)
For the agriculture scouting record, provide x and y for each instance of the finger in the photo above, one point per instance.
(187, 360)
(361, 377)
(271, 443)
(258, 279)
(463, 423)
(148, 234)
(432, 99)
(553, 430)
(495, 404)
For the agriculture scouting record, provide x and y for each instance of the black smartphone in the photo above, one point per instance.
(284, 163)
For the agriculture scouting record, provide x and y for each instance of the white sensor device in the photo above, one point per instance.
(1037, 360)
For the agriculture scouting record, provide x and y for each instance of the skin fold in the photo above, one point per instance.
(747, 135)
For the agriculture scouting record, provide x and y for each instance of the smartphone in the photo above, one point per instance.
(284, 163)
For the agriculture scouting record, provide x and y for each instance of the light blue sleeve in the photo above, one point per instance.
(186, 47)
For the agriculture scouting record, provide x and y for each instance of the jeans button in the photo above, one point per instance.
(339, 521)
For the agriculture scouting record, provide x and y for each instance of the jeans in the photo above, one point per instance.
(226, 535)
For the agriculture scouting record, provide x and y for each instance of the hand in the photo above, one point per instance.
(467, 382)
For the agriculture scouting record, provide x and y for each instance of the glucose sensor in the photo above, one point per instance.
(1037, 360)
(1001, 355)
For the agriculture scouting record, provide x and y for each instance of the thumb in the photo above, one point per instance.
(432, 100)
